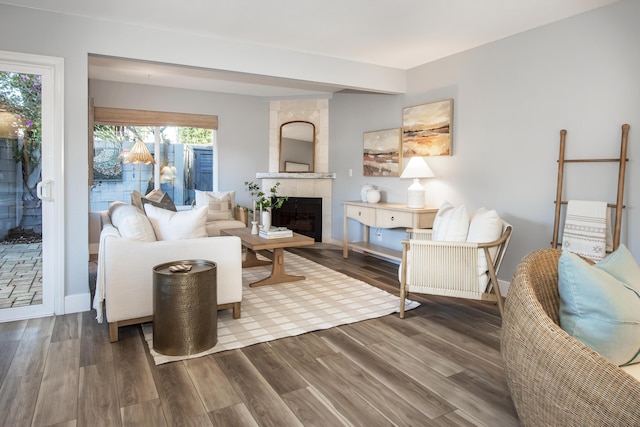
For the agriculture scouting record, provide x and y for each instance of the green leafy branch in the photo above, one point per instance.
(264, 200)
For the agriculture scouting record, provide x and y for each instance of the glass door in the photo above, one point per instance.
(28, 263)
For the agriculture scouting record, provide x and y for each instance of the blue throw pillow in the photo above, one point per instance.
(621, 265)
(598, 306)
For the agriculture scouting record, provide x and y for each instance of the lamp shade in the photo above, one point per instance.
(139, 154)
(417, 168)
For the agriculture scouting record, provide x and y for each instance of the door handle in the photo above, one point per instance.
(43, 190)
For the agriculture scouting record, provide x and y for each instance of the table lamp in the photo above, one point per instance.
(416, 168)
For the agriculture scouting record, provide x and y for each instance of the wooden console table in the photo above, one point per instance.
(383, 215)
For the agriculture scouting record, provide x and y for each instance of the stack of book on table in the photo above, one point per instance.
(275, 233)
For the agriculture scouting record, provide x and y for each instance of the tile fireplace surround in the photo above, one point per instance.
(308, 184)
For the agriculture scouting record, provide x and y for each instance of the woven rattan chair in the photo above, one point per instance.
(554, 379)
(450, 268)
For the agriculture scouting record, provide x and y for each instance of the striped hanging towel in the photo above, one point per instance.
(585, 229)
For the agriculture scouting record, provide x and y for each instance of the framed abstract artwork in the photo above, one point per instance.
(427, 129)
(381, 153)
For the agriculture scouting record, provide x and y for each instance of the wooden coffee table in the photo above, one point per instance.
(255, 243)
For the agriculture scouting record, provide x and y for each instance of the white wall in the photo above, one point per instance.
(511, 99)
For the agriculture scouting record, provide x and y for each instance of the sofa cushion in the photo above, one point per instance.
(214, 227)
(485, 227)
(170, 225)
(598, 309)
(155, 197)
(131, 222)
(451, 224)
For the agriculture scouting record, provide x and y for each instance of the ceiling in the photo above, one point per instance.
(400, 34)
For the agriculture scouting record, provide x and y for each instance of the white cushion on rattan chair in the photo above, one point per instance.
(451, 224)
(598, 309)
(485, 227)
(633, 370)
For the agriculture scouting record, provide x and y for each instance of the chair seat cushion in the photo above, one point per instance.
(633, 370)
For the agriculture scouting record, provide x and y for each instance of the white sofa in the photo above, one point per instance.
(127, 254)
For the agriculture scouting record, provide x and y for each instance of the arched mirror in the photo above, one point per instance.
(297, 146)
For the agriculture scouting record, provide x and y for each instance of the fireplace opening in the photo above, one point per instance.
(303, 215)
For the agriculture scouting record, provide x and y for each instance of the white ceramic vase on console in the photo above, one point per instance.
(369, 194)
(363, 191)
(373, 196)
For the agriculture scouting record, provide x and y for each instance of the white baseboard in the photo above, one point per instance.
(77, 303)
(334, 241)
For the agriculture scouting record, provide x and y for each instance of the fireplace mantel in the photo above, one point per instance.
(296, 175)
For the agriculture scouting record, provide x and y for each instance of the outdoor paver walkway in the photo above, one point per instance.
(20, 274)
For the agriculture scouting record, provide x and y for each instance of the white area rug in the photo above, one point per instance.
(323, 300)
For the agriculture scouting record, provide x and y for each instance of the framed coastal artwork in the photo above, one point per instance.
(381, 153)
(427, 129)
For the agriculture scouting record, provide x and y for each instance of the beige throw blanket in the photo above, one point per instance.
(586, 230)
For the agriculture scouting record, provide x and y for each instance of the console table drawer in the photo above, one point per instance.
(361, 214)
(392, 219)
(382, 215)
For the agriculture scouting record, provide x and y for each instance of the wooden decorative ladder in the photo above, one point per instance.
(618, 206)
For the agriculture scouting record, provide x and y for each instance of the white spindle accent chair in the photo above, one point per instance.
(451, 268)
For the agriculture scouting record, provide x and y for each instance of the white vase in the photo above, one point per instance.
(265, 217)
(373, 196)
(363, 191)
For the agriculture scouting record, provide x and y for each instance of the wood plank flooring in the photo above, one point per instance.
(440, 366)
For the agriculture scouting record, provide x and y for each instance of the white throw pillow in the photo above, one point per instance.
(131, 222)
(201, 197)
(485, 226)
(113, 206)
(170, 225)
(451, 224)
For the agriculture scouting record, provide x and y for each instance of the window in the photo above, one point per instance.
(182, 146)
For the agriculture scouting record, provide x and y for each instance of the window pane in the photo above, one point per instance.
(184, 157)
(20, 171)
